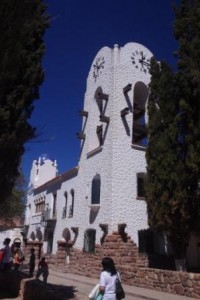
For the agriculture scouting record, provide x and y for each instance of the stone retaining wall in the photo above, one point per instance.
(19, 285)
(32, 289)
(181, 283)
(118, 246)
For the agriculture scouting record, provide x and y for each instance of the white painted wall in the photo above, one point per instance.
(14, 234)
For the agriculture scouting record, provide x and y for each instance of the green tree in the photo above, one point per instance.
(22, 26)
(187, 33)
(173, 130)
(15, 203)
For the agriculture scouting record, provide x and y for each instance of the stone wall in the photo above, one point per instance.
(132, 266)
(181, 283)
(118, 246)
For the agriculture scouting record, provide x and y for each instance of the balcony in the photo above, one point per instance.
(48, 217)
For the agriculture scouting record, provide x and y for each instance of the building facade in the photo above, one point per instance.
(105, 189)
(11, 228)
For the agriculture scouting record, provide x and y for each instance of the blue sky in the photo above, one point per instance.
(79, 29)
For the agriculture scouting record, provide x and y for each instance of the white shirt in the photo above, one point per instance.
(108, 282)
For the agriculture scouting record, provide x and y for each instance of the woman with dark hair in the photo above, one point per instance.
(108, 278)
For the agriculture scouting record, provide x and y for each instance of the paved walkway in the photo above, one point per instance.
(85, 284)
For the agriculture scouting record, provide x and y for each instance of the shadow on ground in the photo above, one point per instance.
(61, 292)
(36, 289)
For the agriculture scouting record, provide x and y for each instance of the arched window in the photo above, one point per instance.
(139, 105)
(89, 240)
(99, 120)
(98, 98)
(64, 213)
(54, 205)
(71, 207)
(99, 128)
(96, 187)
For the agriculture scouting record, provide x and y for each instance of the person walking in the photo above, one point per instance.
(6, 255)
(108, 279)
(43, 269)
(1, 258)
(16, 259)
(32, 262)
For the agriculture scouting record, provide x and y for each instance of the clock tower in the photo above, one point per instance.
(114, 135)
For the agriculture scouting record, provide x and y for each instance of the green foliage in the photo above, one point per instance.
(174, 128)
(22, 27)
(187, 33)
(15, 203)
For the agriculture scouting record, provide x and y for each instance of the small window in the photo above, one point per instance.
(39, 206)
(99, 132)
(89, 240)
(71, 207)
(140, 186)
(64, 212)
(54, 204)
(139, 136)
(96, 187)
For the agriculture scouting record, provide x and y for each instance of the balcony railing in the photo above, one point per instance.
(48, 215)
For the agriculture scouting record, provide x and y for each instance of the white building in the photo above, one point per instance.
(107, 185)
(15, 235)
(106, 189)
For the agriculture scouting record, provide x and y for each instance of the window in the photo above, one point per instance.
(100, 120)
(89, 240)
(64, 212)
(140, 186)
(139, 136)
(99, 132)
(39, 205)
(54, 204)
(71, 207)
(96, 186)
